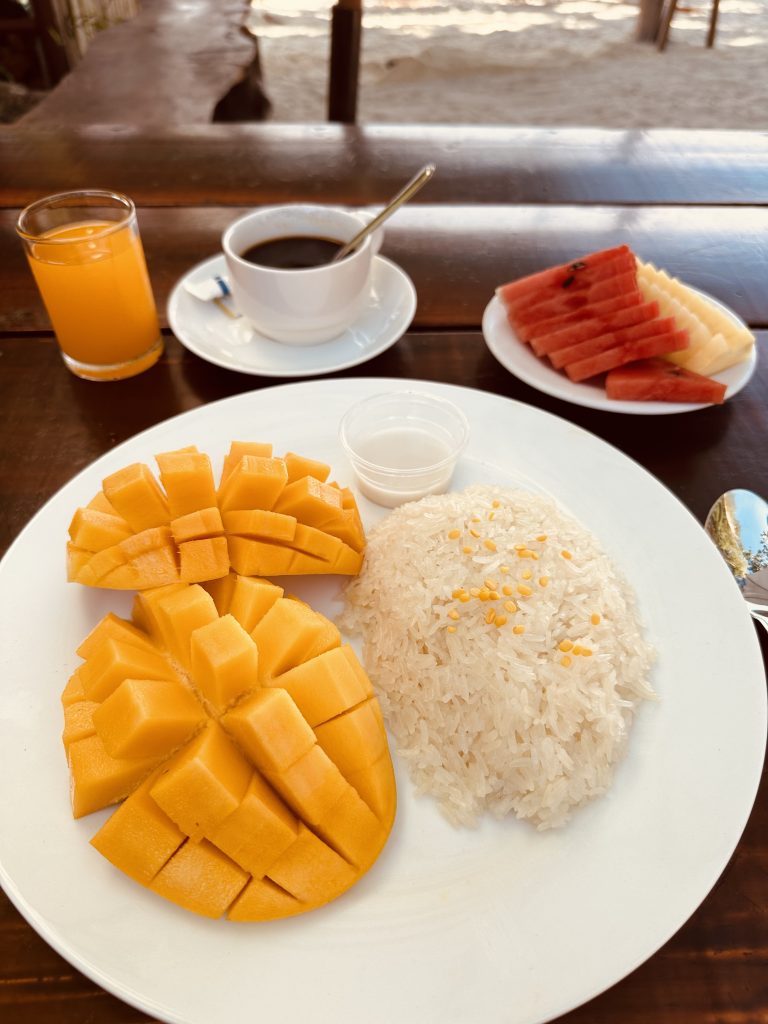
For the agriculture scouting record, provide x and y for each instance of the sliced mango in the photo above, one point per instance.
(258, 831)
(224, 661)
(258, 801)
(136, 496)
(262, 900)
(187, 478)
(204, 784)
(269, 516)
(78, 721)
(139, 838)
(251, 600)
(98, 780)
(147, 718)
(201, 878)
(327, 685)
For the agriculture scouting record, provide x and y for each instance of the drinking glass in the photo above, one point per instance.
(86, 256)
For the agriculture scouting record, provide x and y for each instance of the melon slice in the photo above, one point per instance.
(573, 275)
(269, 516)
(657, 380)
(604, 310)
(566, 302)
(642, 348)
(243, 745)
(594, 327)
(716, 342)
(598, 319)
(611, 339)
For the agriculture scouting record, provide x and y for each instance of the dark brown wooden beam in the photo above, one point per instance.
(238, 165)
(346, 34)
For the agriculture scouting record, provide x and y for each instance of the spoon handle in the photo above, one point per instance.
(406, 192)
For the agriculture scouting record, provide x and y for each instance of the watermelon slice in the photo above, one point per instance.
(594, 346)
(564, 276)
(658, 345)
(613, 268)
(658, 380)
(595, 328)
(566, 301)
(604, 310)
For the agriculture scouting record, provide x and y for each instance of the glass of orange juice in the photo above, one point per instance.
(86, 256)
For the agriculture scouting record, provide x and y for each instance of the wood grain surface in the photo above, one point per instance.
(169, 64)
(237, 165)
(508, 203)
(714, 970)
(457, 255)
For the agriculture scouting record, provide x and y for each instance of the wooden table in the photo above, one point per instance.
(503, 203)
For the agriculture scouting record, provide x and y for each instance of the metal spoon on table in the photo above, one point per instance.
(738, 525)
(409, 190)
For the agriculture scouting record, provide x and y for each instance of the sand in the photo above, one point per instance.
(523, 62)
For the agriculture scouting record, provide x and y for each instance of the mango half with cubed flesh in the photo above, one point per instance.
(267, 517)
(243, 744)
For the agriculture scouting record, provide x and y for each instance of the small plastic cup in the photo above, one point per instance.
(403, 445)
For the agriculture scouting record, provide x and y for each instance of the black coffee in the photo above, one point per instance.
(295, 252)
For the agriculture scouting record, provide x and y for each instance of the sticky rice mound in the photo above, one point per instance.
(505, 649)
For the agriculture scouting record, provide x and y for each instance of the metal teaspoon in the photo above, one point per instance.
(738, 525)
(406, 192)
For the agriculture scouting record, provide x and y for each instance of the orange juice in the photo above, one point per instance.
(93, 279)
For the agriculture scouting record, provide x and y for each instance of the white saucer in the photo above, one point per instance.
(523, 363)
(206, 330)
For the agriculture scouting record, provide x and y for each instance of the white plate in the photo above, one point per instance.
(235, 344)
(523, 363)
(501, 924)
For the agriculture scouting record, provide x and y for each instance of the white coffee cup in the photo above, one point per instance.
(300, 307)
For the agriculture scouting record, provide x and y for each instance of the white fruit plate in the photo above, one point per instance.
(523, 363)
(499, 924)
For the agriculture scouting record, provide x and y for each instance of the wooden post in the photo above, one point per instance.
(666, 23)
(59, 57)
(649, 20)
(346, 31)
(712, 23)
